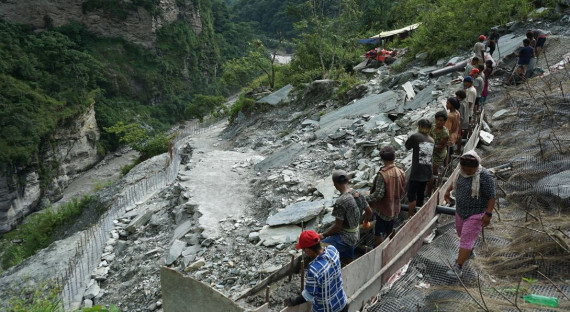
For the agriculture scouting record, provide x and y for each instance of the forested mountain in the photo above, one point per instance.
(272, 17)
(50, 76)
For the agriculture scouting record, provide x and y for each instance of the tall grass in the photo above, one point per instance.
(39, 231)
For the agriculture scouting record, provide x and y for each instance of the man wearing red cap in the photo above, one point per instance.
(323, 279)
(479, 50)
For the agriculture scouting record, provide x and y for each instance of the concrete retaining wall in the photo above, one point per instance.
(183, 294)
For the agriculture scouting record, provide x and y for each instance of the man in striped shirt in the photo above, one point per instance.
(323, 279)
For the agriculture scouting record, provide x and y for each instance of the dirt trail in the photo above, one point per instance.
(218, 180)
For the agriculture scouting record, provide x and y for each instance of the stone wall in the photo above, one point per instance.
(138, 27)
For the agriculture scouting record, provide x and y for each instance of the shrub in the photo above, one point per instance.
(125, 169)
(154, 146)
(346, 82)
(43, 297)
(243, 104)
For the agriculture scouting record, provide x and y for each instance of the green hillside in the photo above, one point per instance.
(50, 77)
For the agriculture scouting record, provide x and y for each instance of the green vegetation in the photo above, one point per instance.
(243, 104)
(137, 137)
(120, 9)
(449, 25)
(203, 105)
(99, 308)
(269, 17)
(43, 297)
(40, 230)
(99, 185)
(47, 79)
(347, 82)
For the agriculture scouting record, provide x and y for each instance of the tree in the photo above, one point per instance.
(137, 137)
(239, 72)
(329, 29)
(260, 58)
(202, 105)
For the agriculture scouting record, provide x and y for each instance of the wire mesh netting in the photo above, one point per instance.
(527, 241)
(445, 293)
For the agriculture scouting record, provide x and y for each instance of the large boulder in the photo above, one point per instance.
(296, 213)
(272, 236)
(280, 96)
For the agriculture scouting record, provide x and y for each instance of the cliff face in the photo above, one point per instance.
(17, 201)
(74, 149)
(137, 25)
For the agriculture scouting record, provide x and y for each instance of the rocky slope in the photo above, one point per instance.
(135, 23)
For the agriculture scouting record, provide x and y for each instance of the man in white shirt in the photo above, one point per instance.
(471, 94)
(479, 50)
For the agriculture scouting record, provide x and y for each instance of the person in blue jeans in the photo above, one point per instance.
(347, 210)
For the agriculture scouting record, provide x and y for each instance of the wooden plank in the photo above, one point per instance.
(407, 252)
(276, 276)
(263, 308)
(410, 229)
(179, 291)
(359, 271)
(371, 286)
(305, 307)
(378, 276)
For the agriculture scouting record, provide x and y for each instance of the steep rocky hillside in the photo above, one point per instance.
(135, 21)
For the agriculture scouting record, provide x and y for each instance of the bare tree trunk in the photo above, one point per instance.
(272, 78)
(318, 18)
(333, 57)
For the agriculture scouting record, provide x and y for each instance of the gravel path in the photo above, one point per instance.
(215, 181)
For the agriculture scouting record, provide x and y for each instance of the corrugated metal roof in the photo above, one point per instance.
(390, 33)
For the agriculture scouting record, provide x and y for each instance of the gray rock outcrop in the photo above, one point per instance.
(272, 236)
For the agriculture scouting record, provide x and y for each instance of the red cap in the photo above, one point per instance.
(308, 239)
(473, 71)
(481, 37)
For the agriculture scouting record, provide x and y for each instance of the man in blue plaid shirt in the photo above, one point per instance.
(323, 280)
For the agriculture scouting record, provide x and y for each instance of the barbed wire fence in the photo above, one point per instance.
(91, 244)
